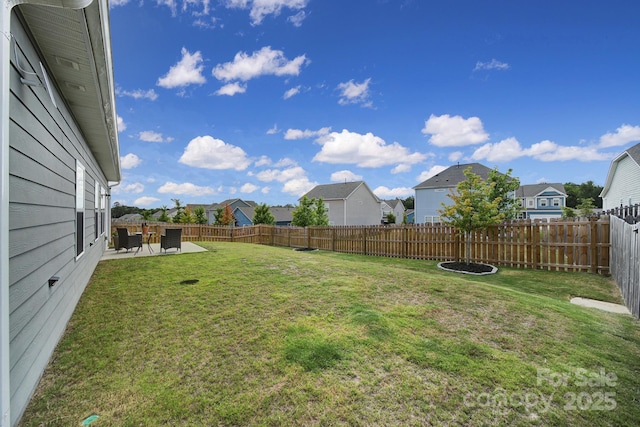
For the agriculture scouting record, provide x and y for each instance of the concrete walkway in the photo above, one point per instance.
(187, 247)
(601, 305)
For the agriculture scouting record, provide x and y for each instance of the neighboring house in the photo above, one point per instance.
(58, 155)
(396, 207)
(210, 211)
(244, 215)
(348, 203)
(432, 193)
(128, 218)
(170, 214)
(410, 216)
(542, 201)
(622, 187)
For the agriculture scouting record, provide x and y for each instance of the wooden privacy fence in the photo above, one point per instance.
(568, 245)
(625, 262)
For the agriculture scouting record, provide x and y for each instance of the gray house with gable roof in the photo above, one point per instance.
(349, 203)
(542, 201)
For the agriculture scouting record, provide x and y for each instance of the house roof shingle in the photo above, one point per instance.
(281, 214)
(634, 153)
(334, 191)
(532, 190)
(451, 176)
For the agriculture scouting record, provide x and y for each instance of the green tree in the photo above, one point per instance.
(303, 215)
(405, 218)
(321, 217)
(473, 207)
(147, 215)
(187, 217)
(391, 218)
(163, 215)
(578, 192)
(409, 202)
(262, 215)
(200, 217)
(504, 188)
(177, 218)
(217, 216)
(568, 212)
(586, 206)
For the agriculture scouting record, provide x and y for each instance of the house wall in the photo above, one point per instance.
(624, 188)
(45, 144)
(363, 208)
(399, 213)
(335, 211)
(428, 201)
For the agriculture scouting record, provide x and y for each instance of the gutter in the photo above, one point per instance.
(5, 94)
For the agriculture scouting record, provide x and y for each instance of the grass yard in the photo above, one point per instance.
(257, 335)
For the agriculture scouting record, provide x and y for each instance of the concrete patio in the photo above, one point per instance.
(187, 247)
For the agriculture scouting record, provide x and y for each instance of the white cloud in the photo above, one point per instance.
(186, 188)
(262, 8)
(393, 193)
(265, 190)
(231, 89)
(622, 136)
(114, 3)
(298, 187)
(281, 175)
(262, 161)
(138, 94)
(135, 188)
(263, 62)
(129, 161)
(549, 151)
(285, 162)
(297, 19)
(503, 151)
(291, 92)
(151, 136)
(434, 170)
(401, 168)
(248, 188)
(211, 153)
(274, 130)
(292, 134)
(355, 93)
(456, 131)
(186, 72)
(366, 150)
(345, 176)
(455, 156)
(494, 64)
(121, 124)
(546, 151)
(145, 201)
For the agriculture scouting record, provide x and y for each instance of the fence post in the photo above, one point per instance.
(594, 244)
(364, 240)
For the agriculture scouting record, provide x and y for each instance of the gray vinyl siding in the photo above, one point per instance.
(363, 208)
(625, 185)
(45, 143)
(336, 211)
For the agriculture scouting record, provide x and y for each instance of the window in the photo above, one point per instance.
(103, 212)
(96, 210)
(79, 209)
(530, 203)
(556, 202)
(543, 203)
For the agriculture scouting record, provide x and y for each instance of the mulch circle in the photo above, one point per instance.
(471, 268)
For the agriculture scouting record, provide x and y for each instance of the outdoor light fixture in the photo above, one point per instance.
(53, 280)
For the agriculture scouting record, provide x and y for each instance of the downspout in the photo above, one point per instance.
(5, 94)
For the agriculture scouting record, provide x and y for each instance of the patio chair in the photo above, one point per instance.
(128, 241)
(171, 239)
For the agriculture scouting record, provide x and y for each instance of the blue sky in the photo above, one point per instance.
(264, 99)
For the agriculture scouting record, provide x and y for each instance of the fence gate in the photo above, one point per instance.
(625, 262)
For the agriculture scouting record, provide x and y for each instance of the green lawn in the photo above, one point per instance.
(270, 336)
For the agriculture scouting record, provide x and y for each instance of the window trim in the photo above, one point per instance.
(80, 208)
